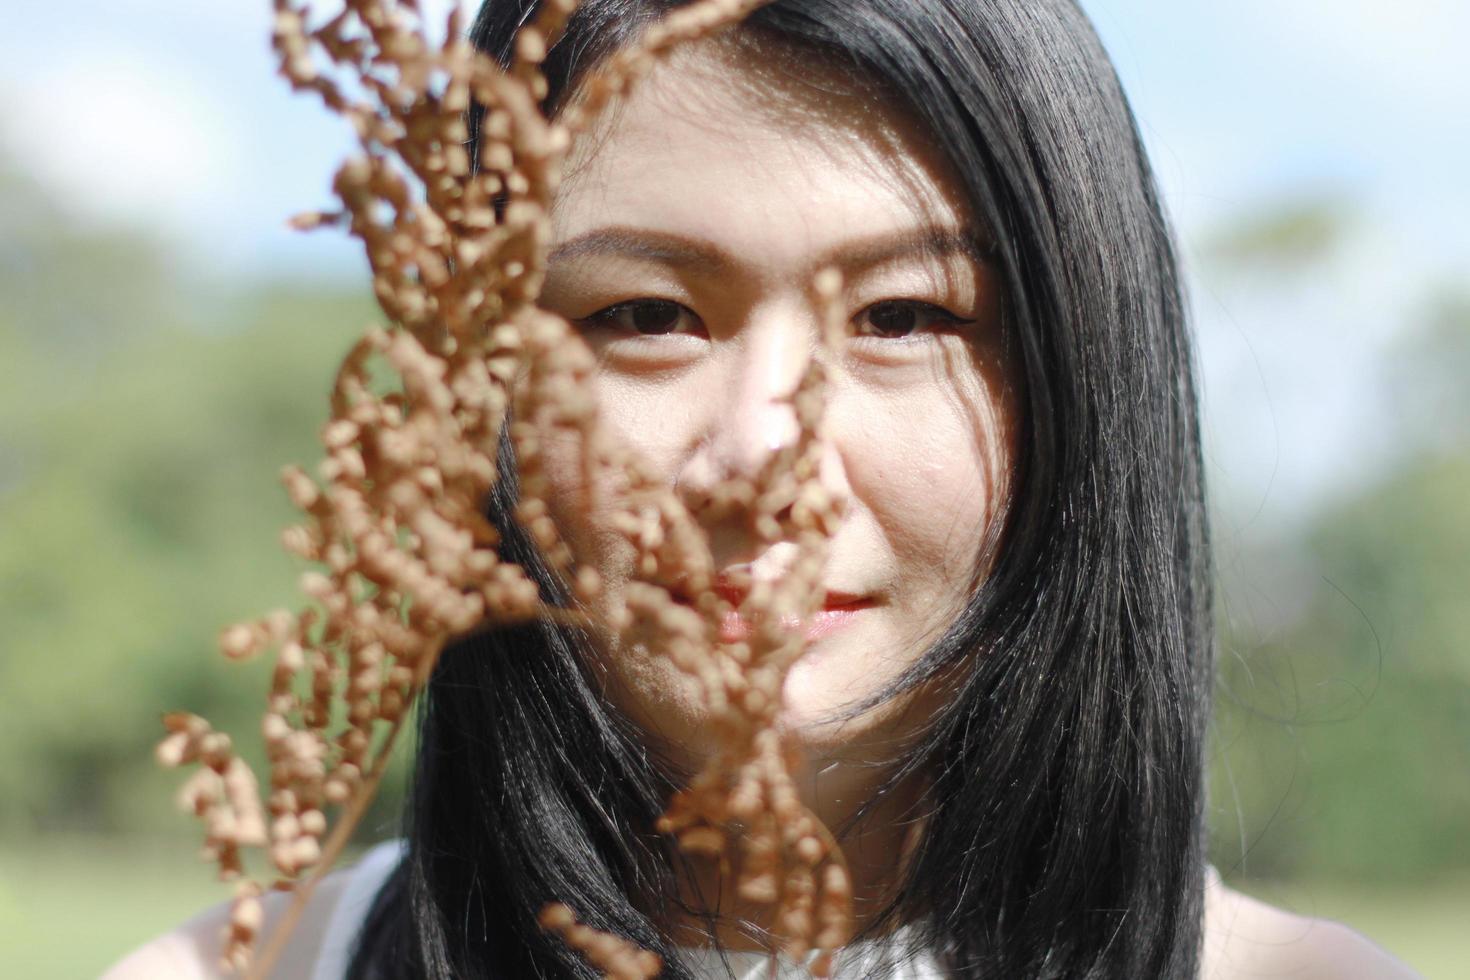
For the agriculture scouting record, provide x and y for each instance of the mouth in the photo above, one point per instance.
(839, 610)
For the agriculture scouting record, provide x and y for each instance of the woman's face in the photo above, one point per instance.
(686, 239)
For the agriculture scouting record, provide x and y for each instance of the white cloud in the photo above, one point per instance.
(236, 13)
(1415, 46)
(120, 135)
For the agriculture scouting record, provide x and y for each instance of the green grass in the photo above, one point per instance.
(71, 906)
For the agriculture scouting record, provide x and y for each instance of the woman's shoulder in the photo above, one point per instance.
(1246, 939)
(192, 951)
(327, 927)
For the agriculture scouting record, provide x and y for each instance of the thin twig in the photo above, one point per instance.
(347, 822)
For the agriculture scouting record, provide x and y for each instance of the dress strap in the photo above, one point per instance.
(351, 910)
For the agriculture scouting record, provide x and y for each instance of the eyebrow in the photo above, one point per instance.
(704, 258)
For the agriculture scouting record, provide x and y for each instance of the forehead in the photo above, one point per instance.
(759, 154)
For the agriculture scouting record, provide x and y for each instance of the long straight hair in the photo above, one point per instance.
(1064, 831)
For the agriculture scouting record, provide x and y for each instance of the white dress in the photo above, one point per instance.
(857, 962)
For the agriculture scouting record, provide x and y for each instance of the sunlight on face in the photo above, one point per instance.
(686, 239)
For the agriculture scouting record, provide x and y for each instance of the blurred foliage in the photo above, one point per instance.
(1344, 738)
(146, 418)
(1282, 238)
(1429, 374)
(1343, 715)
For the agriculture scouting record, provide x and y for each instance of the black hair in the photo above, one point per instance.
(1064, 833)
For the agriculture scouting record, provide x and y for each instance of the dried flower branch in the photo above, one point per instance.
(747, 793)
(405, 559)
(617, 958)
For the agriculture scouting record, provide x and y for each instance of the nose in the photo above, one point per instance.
(749, 416)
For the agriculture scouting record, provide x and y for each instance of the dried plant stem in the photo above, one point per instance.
(347, 822)
(394, 520)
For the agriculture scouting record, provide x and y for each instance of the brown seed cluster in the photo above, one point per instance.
(617, 958)
(402, 557)
(746, 799)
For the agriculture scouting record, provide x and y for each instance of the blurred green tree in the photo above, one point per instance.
(1345, 737)
(138, 502)
(1343, 721)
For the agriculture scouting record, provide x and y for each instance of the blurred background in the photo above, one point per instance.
(166, 346)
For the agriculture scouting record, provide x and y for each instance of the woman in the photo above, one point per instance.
(1003, 708)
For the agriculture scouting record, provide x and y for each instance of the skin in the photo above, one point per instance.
(922, 431)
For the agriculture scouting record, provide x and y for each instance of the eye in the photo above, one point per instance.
(896, 319)
(647, 317)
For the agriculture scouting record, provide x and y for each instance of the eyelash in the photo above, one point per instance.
(607, 317)
(933, 315)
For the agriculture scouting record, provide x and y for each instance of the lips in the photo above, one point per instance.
(839, 610)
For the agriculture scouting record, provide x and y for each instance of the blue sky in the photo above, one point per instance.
(166, 114)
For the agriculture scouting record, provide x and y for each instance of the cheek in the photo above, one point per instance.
(648, 689)
(932, 466)
(643, 422)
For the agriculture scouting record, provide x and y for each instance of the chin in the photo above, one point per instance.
(810, 702)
